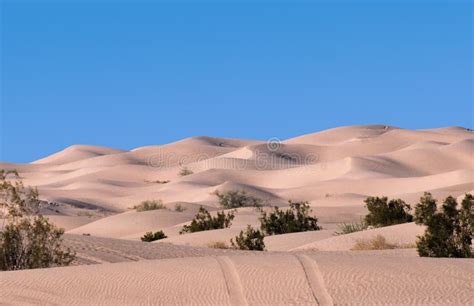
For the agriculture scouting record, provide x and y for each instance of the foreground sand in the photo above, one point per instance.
(324, 278)
(91, 190)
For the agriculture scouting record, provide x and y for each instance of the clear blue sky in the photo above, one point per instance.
(136, 73)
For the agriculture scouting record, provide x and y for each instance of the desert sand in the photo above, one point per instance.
(91, 192)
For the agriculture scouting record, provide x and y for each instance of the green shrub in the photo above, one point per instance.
(203, 221)
(448, 231)
(383, 212)
(32, 243)
(179, 208)
(236, 198)
(149, 205)
(294, 219)
(185, 171)
(347, 228)
(251, 240)
(150, 236)
(28, 240)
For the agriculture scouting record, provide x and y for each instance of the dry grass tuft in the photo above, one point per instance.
(218, 245)
(378, 243)
(149, 205)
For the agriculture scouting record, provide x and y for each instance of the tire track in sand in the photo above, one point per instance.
(315, 280)
(232, 279)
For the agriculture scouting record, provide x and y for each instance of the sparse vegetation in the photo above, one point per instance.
(27, 240)
(294, 219)
(203, 221)
(376, 243)
(150, 236)
(218, 245)
(449, 230)
(251, 240)
(179, 208)
(347, 228)
(383, 212)
(185, 171)
(237, 198)
(149, 205)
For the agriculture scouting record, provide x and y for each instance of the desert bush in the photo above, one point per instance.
(185, 171)
(347, 228)
(16, 200)
(383, 212)
(449, 230)
(27, 240)
(237, 198)
(294, 219)
(218, 245)
(149, 205)
(179, 208)
(376, 243)
(251, 240)
(32, 243)
(150, 236)
(203, 221)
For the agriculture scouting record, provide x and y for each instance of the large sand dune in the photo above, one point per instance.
(91, 191)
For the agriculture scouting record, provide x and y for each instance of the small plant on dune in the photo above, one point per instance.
(251, 240)
(179, 208)
(449, 231)
(203, 221)
(150, 236)
(295, 219)
(149, 205)
(347, 228)
(376, 243)
(383, 212)
(218, 245)
(237, 198)
(27, 240)
(158, 181)
(185, 171)
(162, 182)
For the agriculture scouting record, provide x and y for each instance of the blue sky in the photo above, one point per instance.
(134, 73)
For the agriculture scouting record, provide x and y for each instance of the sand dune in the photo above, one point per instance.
(91, 191)
(335, 168)
(132, 222)
(75, 153)
(374, 159)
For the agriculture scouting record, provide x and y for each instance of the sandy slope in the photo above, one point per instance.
(91, 190)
